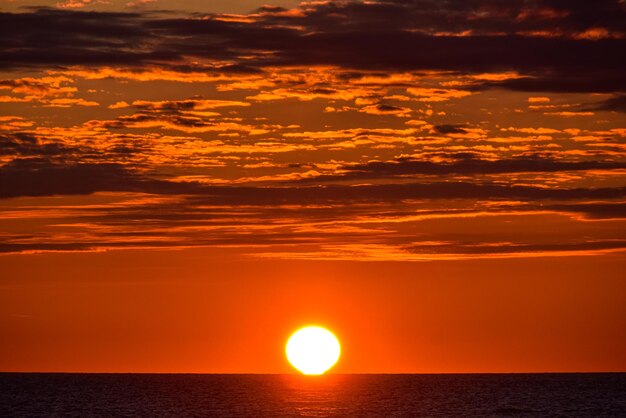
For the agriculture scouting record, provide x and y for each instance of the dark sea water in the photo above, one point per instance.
(153, 395)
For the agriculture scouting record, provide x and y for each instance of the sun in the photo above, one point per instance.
(313, 350)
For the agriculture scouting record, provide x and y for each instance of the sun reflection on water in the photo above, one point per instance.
(313, 396)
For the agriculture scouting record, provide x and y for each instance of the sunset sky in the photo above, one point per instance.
(184, 183)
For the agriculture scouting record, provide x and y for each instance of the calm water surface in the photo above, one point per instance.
(153, 395)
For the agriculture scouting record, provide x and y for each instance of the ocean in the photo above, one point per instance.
(196, 395)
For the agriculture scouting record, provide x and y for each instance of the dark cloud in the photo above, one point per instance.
(604, 210)
(140, 118)
(600, 80)
(614, 104)
(464, 166)
(504, 248)
(49, 37)
(26, 145)
(397, 192)
(543, 39)
(449, 129)
(479, 16)
(388, 108)
(40, 177)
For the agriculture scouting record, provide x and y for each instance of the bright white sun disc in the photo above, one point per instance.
(313, 350)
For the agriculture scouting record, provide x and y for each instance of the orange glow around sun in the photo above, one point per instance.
(313, 350)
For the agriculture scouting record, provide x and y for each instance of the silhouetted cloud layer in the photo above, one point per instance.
(35, 177)
(472, 166)
(560, 46)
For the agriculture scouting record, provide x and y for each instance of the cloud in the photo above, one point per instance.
(50, 91)
(43, 177)
(603, 79)
(614, 104)
(187, 105)
(534, 131)
(77, 4)
(364, 224)
(486, 173)
(193, 115)
(604, 210)
(465, 166)
(24, 145)
(437, 95)
(117, 207)
(385, 109)
(68, 102)
(470, 37)
(39, 87)
(569, 114)
(449, 129)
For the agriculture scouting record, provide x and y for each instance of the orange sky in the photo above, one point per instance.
(196, 311)
(443, 184)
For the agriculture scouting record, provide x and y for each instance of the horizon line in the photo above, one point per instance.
(314, 376)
